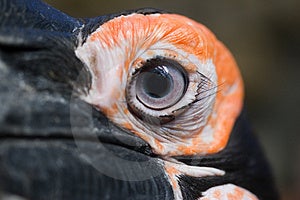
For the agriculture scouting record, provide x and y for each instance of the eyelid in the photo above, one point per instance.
(167, 113)
(197, 100)
(120, 43)
(189, 66)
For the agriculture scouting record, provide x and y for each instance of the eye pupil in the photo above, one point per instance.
(156, 83)
(159, 84)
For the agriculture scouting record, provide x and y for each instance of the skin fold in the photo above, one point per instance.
(56, 144)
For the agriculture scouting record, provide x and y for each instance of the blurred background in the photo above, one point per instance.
(264, 37)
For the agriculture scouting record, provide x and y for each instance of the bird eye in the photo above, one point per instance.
(165, 78)
(160, 83)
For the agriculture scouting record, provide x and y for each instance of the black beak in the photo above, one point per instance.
(52, 144)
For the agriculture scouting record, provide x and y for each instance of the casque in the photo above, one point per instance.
(141, 104)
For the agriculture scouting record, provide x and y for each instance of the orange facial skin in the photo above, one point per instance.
(128, 38)
(228, 103)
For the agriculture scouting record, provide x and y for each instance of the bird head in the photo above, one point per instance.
(141, 104)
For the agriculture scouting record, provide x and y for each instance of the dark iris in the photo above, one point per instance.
(160, 83)
(156, 82)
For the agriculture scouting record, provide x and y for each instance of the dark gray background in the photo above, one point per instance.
(264, 37)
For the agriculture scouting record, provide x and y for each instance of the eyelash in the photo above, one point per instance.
(206, 89)
(205, 80)
(119, 50)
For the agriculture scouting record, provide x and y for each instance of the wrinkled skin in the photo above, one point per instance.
(52, 144)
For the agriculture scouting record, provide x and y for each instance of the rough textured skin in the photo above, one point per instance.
(51, 142)
(243, 161)
(39, 159)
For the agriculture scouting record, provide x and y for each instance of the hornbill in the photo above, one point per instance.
(142, 104)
